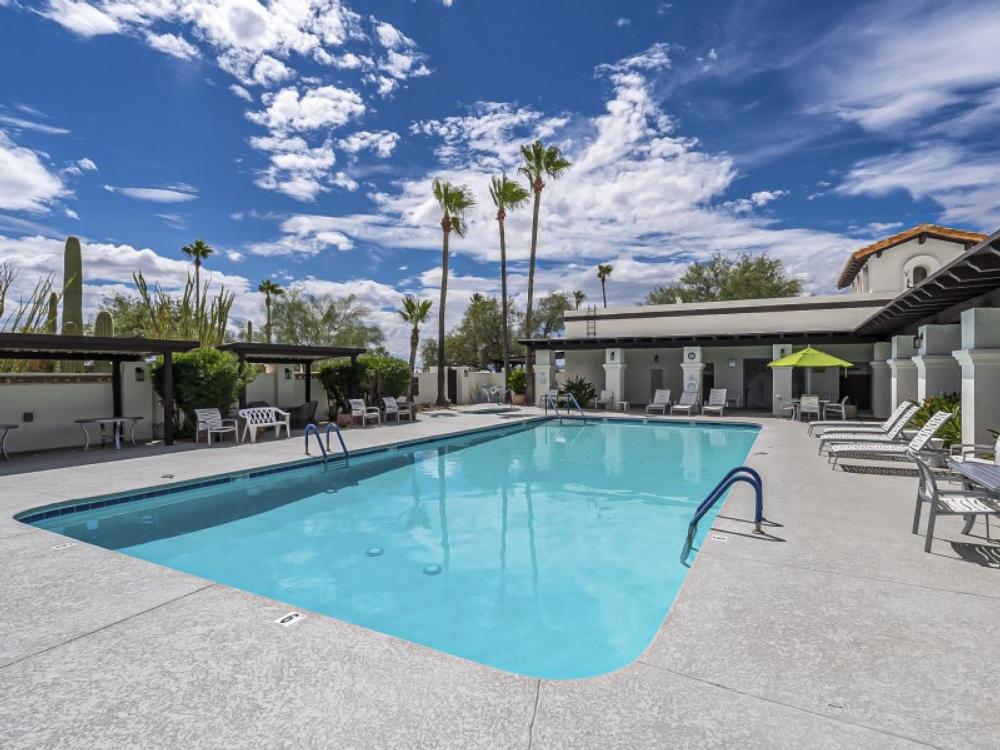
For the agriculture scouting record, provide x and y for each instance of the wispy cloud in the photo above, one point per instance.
(155, 194)
(39, 127)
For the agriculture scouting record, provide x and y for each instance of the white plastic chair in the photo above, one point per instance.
(783, 407)
(392, 409)
(360, 411)
(210, 422)
(605, 399)
(809, 405)
(836, 409)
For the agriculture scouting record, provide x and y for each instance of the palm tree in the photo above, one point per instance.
(270, 290)
(415, 313)
(540, 161)
(603, 272)
(197, 251)
(507, 195)
(578, 298)
(454, 201)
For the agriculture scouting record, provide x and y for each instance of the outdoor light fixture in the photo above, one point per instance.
(918, 341)
(140, 375)
(656, 357)
(732, 363)
(612, 356)
(288, 373)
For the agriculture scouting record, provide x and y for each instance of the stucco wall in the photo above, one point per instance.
(887, 273)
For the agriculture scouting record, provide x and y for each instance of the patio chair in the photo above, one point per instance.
(892, 435)
(809, 405)
(891, 451)
(862, 426)
(392, 409)
(980, 453)
(716, 402)
(359, 410)
(969, 503)
(687, 404)
(302, 414)
(836, 408)
(210, 421)
(407, 407)
(661, 401)
(261, 417)
(604, 399)
(789, 407)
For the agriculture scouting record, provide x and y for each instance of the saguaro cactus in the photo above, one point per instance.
(249, 330)
(52, 318)
(72, 324)
(104, 325)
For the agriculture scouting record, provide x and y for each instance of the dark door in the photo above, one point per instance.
(655, 381)
(707, 379)
(758, 384)
(452, 385)
(858, 386)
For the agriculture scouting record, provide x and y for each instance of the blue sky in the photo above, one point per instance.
(299, 137)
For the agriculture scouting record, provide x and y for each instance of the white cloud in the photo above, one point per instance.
(241, 92)
(26, 184)
(87, 165)
(269, 70)
(323, 107)
(173, 45)
(296, 169)
(39, 127)
(622, 22)
(390, 37)
(70, 213)
(81, 18)
(382, 142)
(155, 195)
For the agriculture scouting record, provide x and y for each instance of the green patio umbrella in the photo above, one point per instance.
(810, 358)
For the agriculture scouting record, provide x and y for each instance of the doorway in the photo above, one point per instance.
(758, 384)
(655, 381)
(452, 385)
(707, 379)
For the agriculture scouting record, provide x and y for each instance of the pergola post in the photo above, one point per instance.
(308, 365)
(116, 388)
(243, 389)
(354, 376)
(168, 398)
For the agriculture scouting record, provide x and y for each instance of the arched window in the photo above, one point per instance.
(919, 275)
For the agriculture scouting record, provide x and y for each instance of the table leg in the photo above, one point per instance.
(119, 428)
(3, 443)
(132, 432)
(86, 436)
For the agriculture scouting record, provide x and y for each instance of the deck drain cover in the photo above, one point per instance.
(166, 476)
(374, 551)
(719, 538)
(65, 545)
(432, 570)
(290, 619)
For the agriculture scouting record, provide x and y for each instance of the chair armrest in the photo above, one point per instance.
(229, 421)
(957, 448)
(281, 412)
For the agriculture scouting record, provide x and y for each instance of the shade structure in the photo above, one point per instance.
(810, 357)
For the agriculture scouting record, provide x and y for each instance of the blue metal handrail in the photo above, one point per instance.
(572, 399)
(331, 426)
(312, 429)
(739, 474)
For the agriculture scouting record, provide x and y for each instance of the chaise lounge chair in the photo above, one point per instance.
(892, 435)
(861, 426)
(661, 401)
(605, 399)
(687, 404)
(891, 451)
(716, 402)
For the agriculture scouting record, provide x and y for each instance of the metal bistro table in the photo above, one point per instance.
(117, 425)
(982, 475)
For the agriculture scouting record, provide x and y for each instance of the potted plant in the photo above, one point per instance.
(515, 381)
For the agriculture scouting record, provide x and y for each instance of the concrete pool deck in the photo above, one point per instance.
(836, 631)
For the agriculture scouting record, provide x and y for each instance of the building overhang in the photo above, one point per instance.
(668, 342)
(288, 353)
(99, 348)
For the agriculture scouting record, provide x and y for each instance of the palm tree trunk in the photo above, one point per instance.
(529, 365)
(414, 341)
(604, 294)
(503, 307)
(197, 289)
(267, 303)
(441, 396)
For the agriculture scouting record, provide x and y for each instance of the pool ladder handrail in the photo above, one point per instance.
(312, 429)
(553, 401)
(738, 474)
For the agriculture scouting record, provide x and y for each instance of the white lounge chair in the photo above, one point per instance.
(836, 408)
(261, 417)
(890, 451)
(210, 422)
(861, 426)
(605, 399)
(661, 401)
(809, 405)
(392, 409)
(968, 503)
(892, 435)
(687, 404)
(359, 410)
(716, 402)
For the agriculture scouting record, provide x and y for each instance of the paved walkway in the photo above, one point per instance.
(837, 632)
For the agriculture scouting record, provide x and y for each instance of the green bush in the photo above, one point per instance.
(515, 381)
(952, 431)
(203, 379)
(335, 375)
(378, 375)
(582, 389)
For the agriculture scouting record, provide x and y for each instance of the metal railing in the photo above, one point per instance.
(739, 474)
(312, 429)
(553, 401)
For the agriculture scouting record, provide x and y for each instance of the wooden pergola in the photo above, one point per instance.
(103, 349)
(291, 354)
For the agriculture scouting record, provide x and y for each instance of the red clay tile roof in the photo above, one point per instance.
(858, 258)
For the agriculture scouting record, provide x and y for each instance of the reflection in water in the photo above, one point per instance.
(531, 540)
(442, 507)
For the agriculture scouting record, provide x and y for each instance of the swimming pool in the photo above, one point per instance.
(544, 549)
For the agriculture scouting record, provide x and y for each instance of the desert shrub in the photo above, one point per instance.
(581, 388)
(203, 379)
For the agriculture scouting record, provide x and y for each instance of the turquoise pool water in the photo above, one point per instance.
(548, 550)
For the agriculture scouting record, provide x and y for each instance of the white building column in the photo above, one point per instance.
(979, 358)
(937, 370)
(693, 368)
(781, 378)
(904, 372)
(544, 373)
(881, 380)
(614, 373)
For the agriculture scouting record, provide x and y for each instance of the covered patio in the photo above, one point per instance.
(102, 349)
